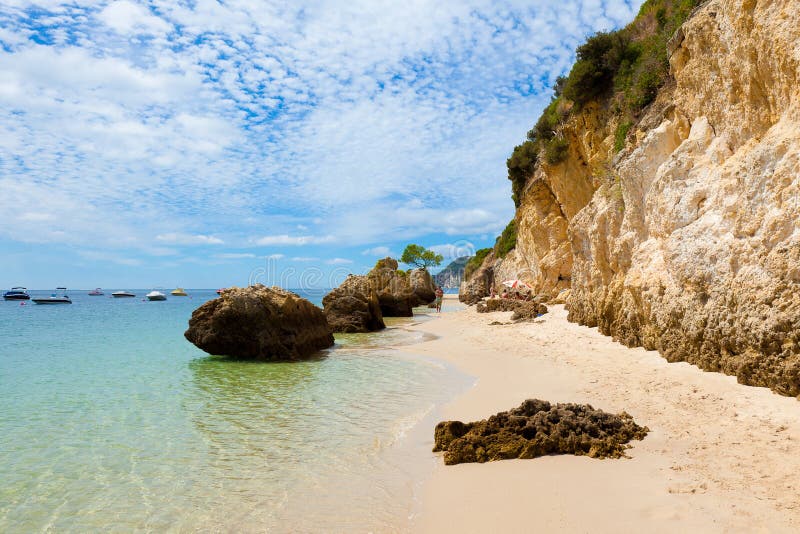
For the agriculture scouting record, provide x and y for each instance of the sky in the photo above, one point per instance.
(207, 144)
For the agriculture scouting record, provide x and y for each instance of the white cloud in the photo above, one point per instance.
(451, 251)
(360, 123)
(189, 239)
(126, 17)
(286, 239)
(235, 255)
(95, 255)
(338, 261)
(304, 259)
(275, 256)
(377, 251)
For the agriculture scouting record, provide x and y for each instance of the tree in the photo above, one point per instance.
(420, 256)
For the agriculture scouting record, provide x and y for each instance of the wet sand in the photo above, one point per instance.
(720, 457)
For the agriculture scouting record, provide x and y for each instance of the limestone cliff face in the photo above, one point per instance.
(688, 240)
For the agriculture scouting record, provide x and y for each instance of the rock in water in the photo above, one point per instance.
(354, 306)
(265, 323)
(537, 428)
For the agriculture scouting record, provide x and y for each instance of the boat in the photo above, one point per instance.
(54, 298)
(180, 292)
(156, 295)
(16, 293)
(122, 294)
(219, 291)
(96, 292)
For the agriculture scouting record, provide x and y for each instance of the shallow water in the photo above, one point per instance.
(109, 418)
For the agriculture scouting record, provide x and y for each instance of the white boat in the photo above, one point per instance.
(54, 298)
(156, 295)
(122, 294)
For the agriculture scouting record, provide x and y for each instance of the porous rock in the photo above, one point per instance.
(524, 310)
(538, 428)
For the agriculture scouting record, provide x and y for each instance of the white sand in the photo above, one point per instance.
(720, 457)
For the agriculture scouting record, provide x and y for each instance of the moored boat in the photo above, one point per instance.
(179, 292)
(96, 292)
(55, 298)
(122, 294)
(16, 293)
(219, 291)
(156, 295)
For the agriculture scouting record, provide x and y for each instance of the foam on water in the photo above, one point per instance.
(108, 417)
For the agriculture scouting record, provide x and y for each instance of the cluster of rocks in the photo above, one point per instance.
(274, 324)
(538, 428)
(524, 310)
(354, 306)
(258, 322)
(400, 291)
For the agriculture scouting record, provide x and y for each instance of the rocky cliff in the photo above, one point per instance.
(452, 275)
(685, 236)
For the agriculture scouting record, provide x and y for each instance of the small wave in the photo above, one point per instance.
(403, 426)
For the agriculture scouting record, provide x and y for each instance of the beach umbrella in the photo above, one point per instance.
(516, 284)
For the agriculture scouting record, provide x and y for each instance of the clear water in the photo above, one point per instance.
(110, 420)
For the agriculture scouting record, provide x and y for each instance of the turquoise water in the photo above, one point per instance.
(109, 419)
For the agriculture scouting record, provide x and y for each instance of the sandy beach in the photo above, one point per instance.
(720, 457)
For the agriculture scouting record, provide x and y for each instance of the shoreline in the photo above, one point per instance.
(719, 455)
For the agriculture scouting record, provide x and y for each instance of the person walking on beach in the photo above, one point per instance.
(439, 297)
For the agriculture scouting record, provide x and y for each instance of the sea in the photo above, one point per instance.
(111, 421)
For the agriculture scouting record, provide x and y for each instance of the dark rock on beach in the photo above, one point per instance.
(538, 428)
(524, 310)
(400, 291)
(394, 291)
(422, 286)
(354, 306)
(258, 322)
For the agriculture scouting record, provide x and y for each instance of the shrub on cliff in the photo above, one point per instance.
(506, 241)
(475, 262)
(598, 61)
(520, 166)
(625, 68)
(556, 150)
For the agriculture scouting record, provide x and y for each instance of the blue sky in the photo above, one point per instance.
(209, 144)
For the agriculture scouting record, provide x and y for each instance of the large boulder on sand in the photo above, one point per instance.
(354, 306)
(423, 286)
(266, 323)
(394, 291)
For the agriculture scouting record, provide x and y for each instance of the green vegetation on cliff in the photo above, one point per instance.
(623, 69)
(506, 241)
(475, 262)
